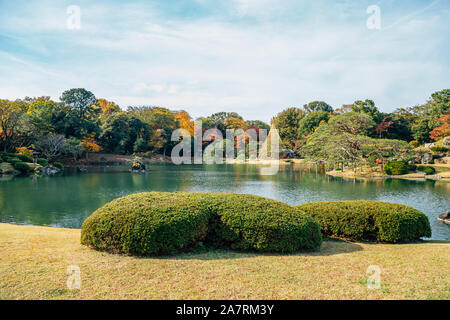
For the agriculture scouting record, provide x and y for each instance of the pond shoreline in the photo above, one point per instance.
(440, 175)
(67, 199)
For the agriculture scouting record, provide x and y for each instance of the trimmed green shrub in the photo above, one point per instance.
(369, 220)
(146, 223)
(396, 168)
(43, 162)
(426, 169)
(248, 222)
(165, 223)
(58, 165)
(412, 167)
(13, 160)
(24, 158)
(439, 149)
(22, 167)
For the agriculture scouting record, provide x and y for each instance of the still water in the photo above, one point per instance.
(66, 200)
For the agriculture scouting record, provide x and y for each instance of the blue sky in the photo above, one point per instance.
(254, 57)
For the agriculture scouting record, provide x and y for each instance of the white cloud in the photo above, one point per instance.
(205, 65)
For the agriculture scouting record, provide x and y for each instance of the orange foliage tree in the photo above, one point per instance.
(184, 121)
(89, 144)
(443, 130)
(24, 151)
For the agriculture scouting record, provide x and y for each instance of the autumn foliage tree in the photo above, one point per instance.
(383, 127)
(184, 121)
(89, 144)
(443, 130)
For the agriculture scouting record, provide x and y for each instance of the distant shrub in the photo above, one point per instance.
(369, 220)
(12, 160)
(165, 223)
(43, 162)
(58, 165)
(396, 168)
(24, 158)
(22, 167)
(148, 154)
(414, 143)
(412, 167)
(426, 169)
(439, 149)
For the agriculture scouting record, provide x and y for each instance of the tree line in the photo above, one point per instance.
(360, 133)
(81, 123)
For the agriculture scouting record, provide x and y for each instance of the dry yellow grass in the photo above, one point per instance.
(34, 260)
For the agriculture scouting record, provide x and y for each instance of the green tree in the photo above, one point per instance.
(368, 107)
(258, 123)
(311, 121)
(318, 106)
(81, 102)
(162, 121)
(74, 147)
(342, 140)
(81, 116)
(287, 123)
(352, 123)
(46, 115)
(426, 115)
(120, 131)
(402, 121)
(12, 116)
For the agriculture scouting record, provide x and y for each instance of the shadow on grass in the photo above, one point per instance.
(329, 247)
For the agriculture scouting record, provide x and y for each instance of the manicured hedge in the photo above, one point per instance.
(426, 169)
(42, 161)
(13, 160)
(58, 165)
(369, 220)
(396, 167)
(166, 223)
(22, 167)
(24, 158)
(248, 222)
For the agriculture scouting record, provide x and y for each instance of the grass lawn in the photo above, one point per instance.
(34, 260)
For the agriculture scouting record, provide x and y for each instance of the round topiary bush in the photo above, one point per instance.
(248, 222)
(396, 168)
(146, 223)
(43, 162)
(24, 158)
(369, 220)
(22, 167)
(165, 223)
(58, 165)
(13, 160)
(426, 169)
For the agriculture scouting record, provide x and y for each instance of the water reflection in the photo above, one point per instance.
(68, 199)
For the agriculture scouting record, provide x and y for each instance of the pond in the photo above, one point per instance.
(66, 200)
